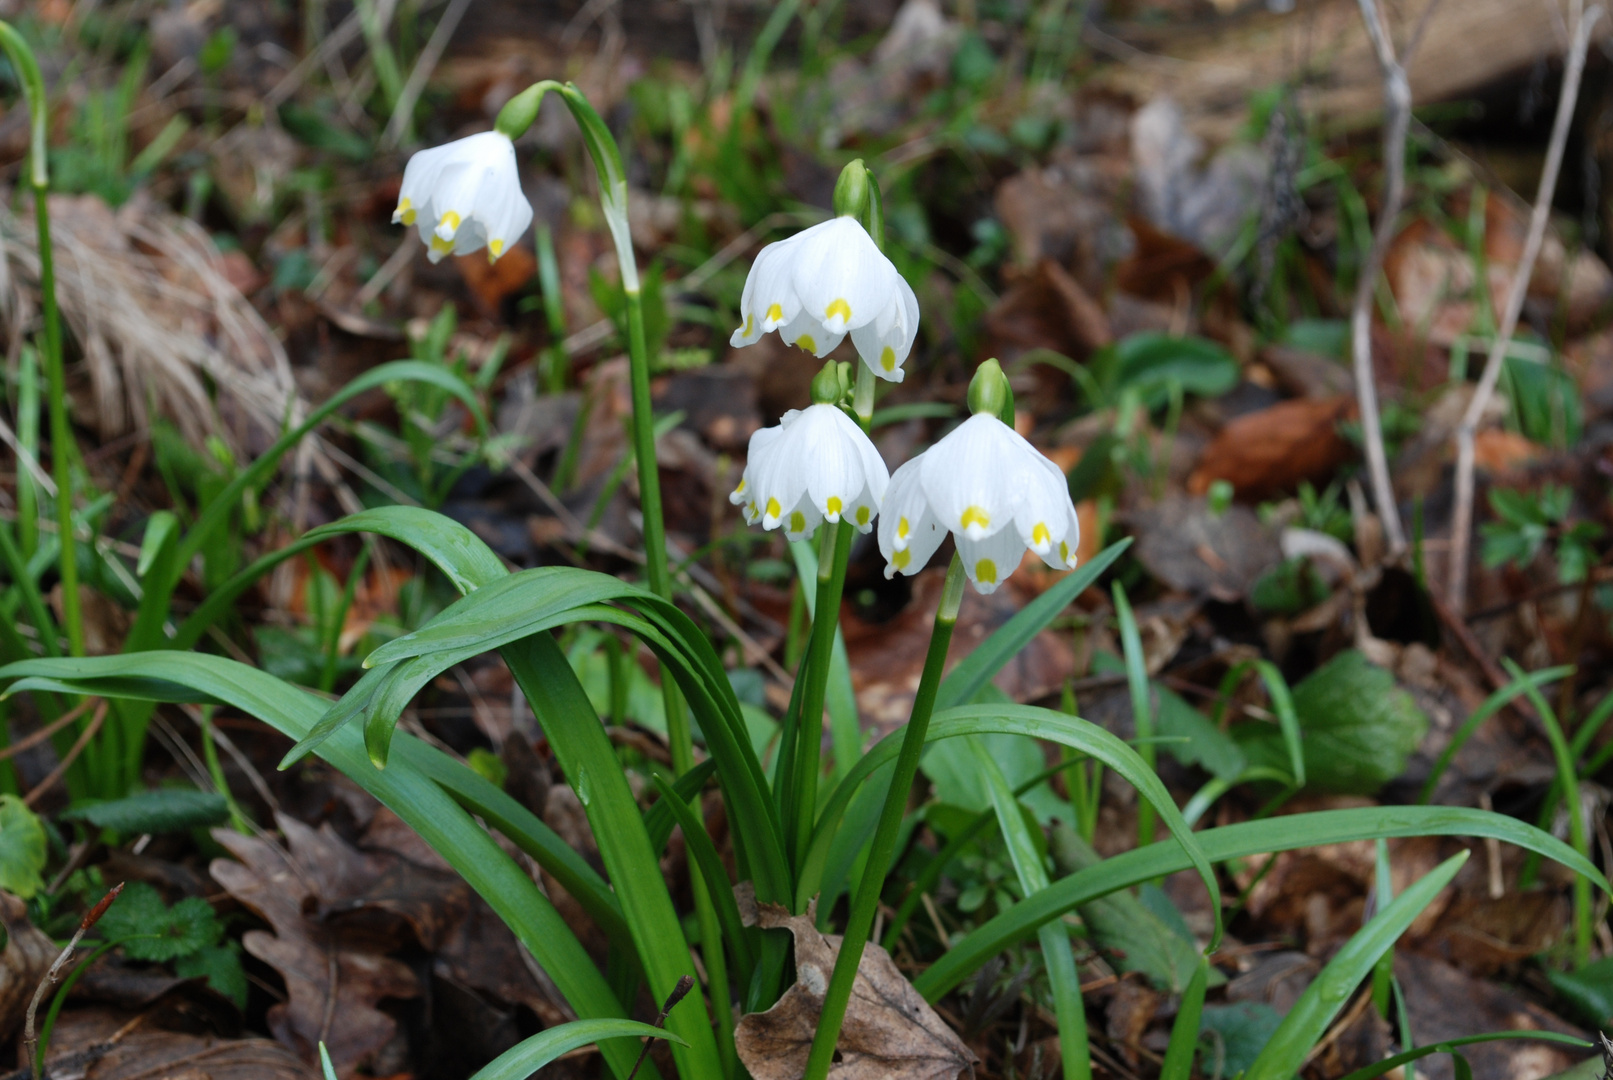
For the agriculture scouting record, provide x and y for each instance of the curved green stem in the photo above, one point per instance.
(61, 435)
(801, 799)
(866, 900)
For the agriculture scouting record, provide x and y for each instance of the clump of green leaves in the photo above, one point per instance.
(22, 848)
(1528, 520)
(188, 935)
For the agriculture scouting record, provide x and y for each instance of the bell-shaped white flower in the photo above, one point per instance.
(465, 195)
(824, 283)
(817, 465)
(993, 491)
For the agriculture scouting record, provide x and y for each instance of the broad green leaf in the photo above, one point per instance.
(1309, 1017)
(986, 659)
(1588, 989)
(157, 811)
(1286, 833)
(151, 930)
(1148, 363)
(955, 776)
(1244, 1027)
(220, 965)
(22, 848)
(1358, 727)
(1205, 745)
(525, 1058)
(718, 886)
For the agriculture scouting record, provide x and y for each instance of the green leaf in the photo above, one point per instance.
(1206, 745)
(158, 811)
(159, 527)
(1359, 727)
(527, 1057)
(1148, 363)
(1309, 1017)
(151, 930)
(1445, 1046)
(845, 730)
(22, 848)
(1178, 1063)
(1588, 989)
(1244, 1028)
(1286, 833)
(220, 965)
(977, 669)
(956, 779)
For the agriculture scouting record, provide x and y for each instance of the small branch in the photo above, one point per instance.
(1462, 519)
(685, 984)
(72, 754)
(30, 1039)
(1397, 117)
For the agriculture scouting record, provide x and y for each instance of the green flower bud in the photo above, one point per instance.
(826, 385)
(990, 393)
(851, 191)
(521, 110)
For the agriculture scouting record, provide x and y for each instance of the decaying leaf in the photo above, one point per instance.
(890, 1032)
(1189, 548)
(28, 954)
(105, 1044)
(1270, 451)
(333, 979)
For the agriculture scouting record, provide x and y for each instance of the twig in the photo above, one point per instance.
(685, 984)
(48, 730)
(30, 1040)
(71, 756)
(1397, 116)
(1462, 519)
(423, 67)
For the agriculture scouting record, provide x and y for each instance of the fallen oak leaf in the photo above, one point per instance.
(890, 1032)
(1270, 451)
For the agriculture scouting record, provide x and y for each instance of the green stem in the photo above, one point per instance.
(866, 901)
(801, 805)
(61, 436)
(215, 770)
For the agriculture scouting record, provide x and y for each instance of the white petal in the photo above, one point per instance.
(988, 562)
(841, 276)
(908, 532)
(1044, 513)
(769, 299)
(885, 343)
(801, 520)
(809, 334)
(969, 477)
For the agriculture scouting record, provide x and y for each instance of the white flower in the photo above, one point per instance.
(465, 195)
(995, 492)
(817, 465)
(825, 282)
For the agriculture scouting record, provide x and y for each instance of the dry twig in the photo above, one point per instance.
(30, 1039)
(1462, 518)
(1397, 116)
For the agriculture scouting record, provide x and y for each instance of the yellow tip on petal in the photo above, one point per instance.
(838, 307)
(862, 515)
(1040, 536)
(1064, 552)
(975, 515)
(901, 558)
(798, 522)
(741, 486)
(833, 507)
(441, 246)
(986, 572)
(775, 313)
(405, 212)
(806, 342)
(902, 528)
(450, 221)
(750, 324)
(887, 358)
(774, 509)
(495, 248)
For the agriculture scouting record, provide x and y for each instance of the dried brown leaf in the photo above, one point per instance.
(890, 1032)
(1263, 453)
(105, 1044)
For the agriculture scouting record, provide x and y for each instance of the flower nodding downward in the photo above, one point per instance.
(824, 283)
(465, 195)
(817, 465)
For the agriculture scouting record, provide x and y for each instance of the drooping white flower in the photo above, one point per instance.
(993, 491)
(817, 465)
(465, 195)
(825, 282)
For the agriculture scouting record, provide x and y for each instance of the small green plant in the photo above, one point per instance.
(187, 936)
(1529, 521)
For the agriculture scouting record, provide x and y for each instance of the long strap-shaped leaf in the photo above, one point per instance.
(175, 676)
(1037, 723)
(528, 1056)
(1232, 842)
(1308, 1018)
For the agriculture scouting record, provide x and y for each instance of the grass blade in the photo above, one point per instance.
(528, 1056)
(1178, 1064)
(1488, 708)
(1309, 1017)
(1142, 703)
(1377, 1069)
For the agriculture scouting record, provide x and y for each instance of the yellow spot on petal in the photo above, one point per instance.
(1064, 551)
(902, 528)
(750, 323)
(901, 559)
(405, 212)
(887, 358)
(798, 522)
(741, 486)
(986, 572)
(774, 313)
(834, 505)
(862, 515)
(450, 220)
(838, 307)
(974, 515)
(495, 248)
(773, 508)
(806, 342)
(441, 246)
(1040, 535)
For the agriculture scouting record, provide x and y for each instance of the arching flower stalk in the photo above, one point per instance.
(994, 492)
